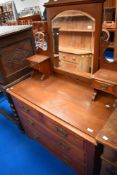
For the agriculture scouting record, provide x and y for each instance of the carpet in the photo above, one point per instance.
(21, 155)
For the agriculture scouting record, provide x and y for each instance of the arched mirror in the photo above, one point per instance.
(73, 41)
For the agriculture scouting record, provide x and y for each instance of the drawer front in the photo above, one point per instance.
(28, 110)
(53, 126)
(103, 86)
(65, 134)
(31, 132)
(72, 156)
(68, 66)
(69, 57)
(73, 152)
(108, 169)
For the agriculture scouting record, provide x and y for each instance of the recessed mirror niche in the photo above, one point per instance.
(73, 41)
(109, 55)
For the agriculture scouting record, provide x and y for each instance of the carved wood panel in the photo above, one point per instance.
(13, 57)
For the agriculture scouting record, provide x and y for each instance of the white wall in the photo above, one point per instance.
(20, 5)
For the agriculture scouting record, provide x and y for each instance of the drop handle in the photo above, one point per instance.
(104, 86)
(31, 122)
(61, 132)
(66, 159)
(26, 109)
(64, 145)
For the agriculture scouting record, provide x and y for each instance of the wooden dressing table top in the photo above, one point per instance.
(110, 131)
(67, 100)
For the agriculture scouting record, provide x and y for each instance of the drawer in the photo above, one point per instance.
(64, 133)
(72, 151)
(31, 132)
(72, 156)
(103, 86)
(68, 65)
(79, 169)
(107, 169)
(27, 109)
(53, 126)
(110, 155)
(69, 57)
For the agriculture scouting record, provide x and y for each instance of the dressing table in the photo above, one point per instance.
(55, 105)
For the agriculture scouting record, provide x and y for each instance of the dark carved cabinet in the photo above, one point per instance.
(16, 44)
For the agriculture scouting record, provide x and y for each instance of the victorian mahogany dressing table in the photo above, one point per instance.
(54, 104)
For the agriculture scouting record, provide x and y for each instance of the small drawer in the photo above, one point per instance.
(69, 57)
(107, 169)
(68, 65)
(103, 86)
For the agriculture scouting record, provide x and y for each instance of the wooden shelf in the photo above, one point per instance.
(38, 58)
(82, 74)
(111, 29)
(75, 51)
(75, 30)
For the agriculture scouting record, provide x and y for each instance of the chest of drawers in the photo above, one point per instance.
(53, 113)
(71, 148)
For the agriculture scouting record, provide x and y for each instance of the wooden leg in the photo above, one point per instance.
(8, 116)
(94, 95)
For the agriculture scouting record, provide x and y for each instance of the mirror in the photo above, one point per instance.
(40, 41)
(109, 54)
(73, 41)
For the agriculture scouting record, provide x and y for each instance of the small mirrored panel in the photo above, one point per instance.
(73, 41)
(109, 55)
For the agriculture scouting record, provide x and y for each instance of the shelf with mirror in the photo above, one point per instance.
(73, 39)
(110, 24)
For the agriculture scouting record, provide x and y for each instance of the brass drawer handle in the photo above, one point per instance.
(64, 145)
(104, 87)
(61, 132)
(26, 109)
(66, 159)
(30, 122)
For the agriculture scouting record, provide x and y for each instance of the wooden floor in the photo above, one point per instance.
(68, 100)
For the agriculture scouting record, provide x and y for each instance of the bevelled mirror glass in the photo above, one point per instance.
(73, 41)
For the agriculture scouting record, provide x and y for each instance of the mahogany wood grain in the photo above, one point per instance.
(105, 80)
(50, 124)
(65, 150)
(110, 131)
(67, 101)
